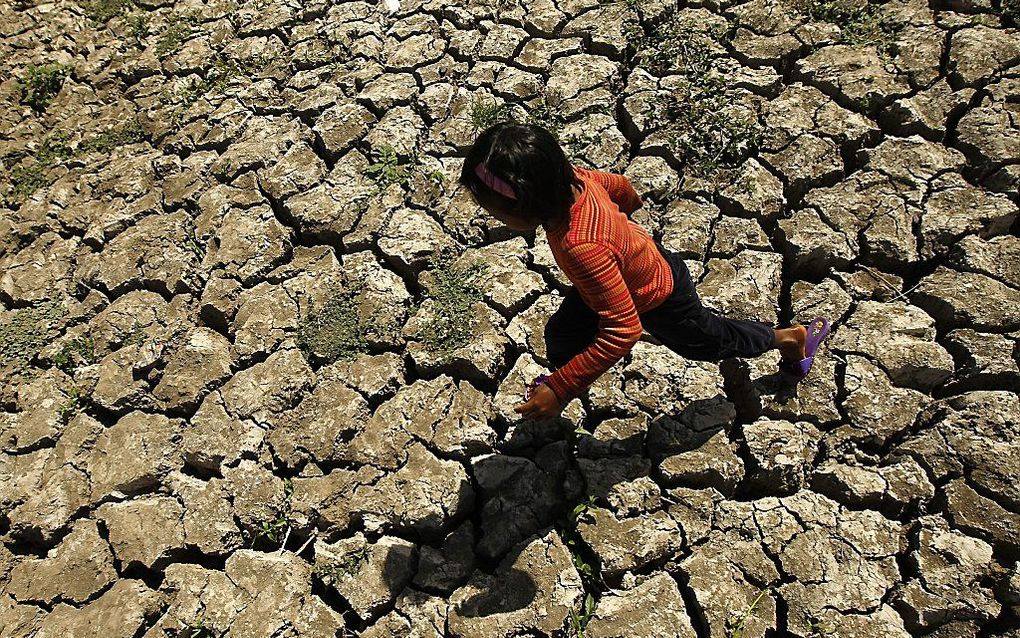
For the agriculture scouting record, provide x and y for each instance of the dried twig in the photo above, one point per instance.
(878, 276)
(302, 548)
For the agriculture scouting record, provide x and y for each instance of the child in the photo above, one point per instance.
(624, 282)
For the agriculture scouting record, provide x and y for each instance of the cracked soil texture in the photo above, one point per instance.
(241, 393)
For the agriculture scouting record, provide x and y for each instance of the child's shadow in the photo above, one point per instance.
(750, 395)
(509, 588)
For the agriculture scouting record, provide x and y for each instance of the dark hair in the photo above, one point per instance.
(530, 159)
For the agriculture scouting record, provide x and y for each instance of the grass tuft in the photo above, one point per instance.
(24, 331)
(861, 23)
(334, 331)
(736, 629)
(485, 113)
(698, 119)
(102, 11)
(32, 173)
(42, 83)
(347, 565)
(180, 27)
(453, 289)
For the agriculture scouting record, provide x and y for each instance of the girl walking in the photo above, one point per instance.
(624, 282)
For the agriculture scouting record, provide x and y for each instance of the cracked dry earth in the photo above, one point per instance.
(199, 178)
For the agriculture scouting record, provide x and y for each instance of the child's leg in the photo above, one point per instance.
(570, 329)
(685, 326)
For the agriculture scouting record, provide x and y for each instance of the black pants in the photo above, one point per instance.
(680, 323)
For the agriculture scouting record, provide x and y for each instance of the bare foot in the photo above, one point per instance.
(792, 342)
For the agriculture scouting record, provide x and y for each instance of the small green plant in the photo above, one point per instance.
(738, 628)
(485, 113)
(454, 289)
(136, 336)
(676, 44)
(42, 83)
(101, 11)
(138, 25)
(567, 529)
(180, 27)
(24, 331)
(545, 111)
(81, 349)
(861, 24)
(347, 565)
(273, 530)
(71, 406)
(702, 129)
(197, 631)
(215, 80)
(387, 168)
(436, 176)
(108, 140)
(579, 620)
(697, 119)
(33, 172)
(818, 627)
(334, 331)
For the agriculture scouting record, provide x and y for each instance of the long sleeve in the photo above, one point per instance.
(596, 275)
(620, 190)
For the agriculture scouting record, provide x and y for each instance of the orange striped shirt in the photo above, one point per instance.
(615, 267)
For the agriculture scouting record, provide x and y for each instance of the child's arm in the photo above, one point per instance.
(595, 273)
(620, 190)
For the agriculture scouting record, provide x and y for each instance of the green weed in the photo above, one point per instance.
(102, 11)
(579, 620)
(71, 406)
(703, 132)
(738, 628)
(860, 23)
(197, 631)
(387, 168)
(180, 27)
(24, 331)
(334, 331)
(697, 120)
(273, 530)
(138, 25)
(545, 111)
(453, 290)
(277, 529)
(136, 336)
(79, 349)
(42, 83)
(106, 141)
(818, 627)
(484, 114)
(567, 529)
(33, 173)
(215, 80)
(347, 565)
(677, 44)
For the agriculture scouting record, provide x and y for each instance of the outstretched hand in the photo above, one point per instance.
(543, 403)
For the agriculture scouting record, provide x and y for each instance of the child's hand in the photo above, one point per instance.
(543, 403)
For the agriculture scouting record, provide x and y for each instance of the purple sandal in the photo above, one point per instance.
(817, 330)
